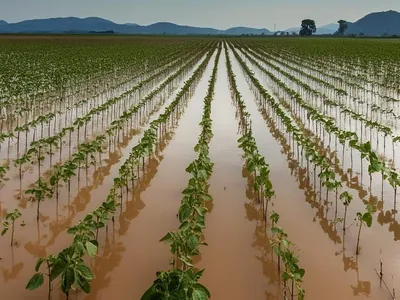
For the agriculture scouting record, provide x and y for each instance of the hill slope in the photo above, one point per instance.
(72, 24)
(376, 24)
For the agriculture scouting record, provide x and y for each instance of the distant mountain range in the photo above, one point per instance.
(374, 24)
(93, 24)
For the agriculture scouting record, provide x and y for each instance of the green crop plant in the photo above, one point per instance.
(364, 218)
(346, 199)
(177, 284)
(11, 217)
(38, 193)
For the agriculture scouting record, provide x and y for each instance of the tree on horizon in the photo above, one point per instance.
(308, 27)
(342, 27)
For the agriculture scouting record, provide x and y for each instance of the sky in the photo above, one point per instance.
(220, 14)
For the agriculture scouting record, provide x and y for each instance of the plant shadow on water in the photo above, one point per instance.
(111, 257)
(255, 212)
(83, 196)
(329, 227)
(130, 209)
(12, 273)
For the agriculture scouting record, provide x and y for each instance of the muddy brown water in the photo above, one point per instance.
(143, 254)
(49, 236)
(329, 272)
(238, 261)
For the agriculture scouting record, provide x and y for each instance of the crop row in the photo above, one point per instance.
(58, 70)
(186, 241)
(69, 264)
(326, 174)
(376, 164)
(73, 112)
(52, 143)
(259, 169)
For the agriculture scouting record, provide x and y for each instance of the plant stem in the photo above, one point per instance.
(12, 233)
(358, 238)
(49, 286)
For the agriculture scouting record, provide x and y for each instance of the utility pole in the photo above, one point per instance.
(274, 27)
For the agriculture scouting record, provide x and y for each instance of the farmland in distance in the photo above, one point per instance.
(271, 163)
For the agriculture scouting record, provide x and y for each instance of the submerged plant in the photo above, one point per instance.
(11, 217)
(346, 198)
(364, 219)
(39, 192)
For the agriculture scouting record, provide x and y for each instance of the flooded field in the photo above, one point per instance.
(268, 163)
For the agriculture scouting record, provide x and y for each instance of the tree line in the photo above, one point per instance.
(308, 27)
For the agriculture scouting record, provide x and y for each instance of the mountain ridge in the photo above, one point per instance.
(373, 24)
(93, 24)
(376, 24)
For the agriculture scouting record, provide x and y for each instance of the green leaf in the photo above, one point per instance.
(199, 211)
(184, 226)
(85, 271)
(67, 280)
(35, 282)
(251, 166)
(152, 294)
(53, 180)
(201, 290)
(199, 295)
(84, 284)
(207, 197)
(4, 231)
(186, 261)
(166, 237)
(193, 242)
(367, 218)
(298, 274)
(285, 243)
(184, 212)
(88, 218)
(91, 249)
(38, 264)
(58, 267)
(72, 230)
(285, 276)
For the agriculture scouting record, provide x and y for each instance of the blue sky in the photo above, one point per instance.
(220, 14)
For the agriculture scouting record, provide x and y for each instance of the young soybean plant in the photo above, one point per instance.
(39, 192)
(364, 218)
(13, 216)
(177, 284)
(69, 266)
(346, 199)
(37, 279)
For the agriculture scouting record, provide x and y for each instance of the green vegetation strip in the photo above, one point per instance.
(69, 264)
(376, 164)
(326, 174)
(255, 164)
(182, 281)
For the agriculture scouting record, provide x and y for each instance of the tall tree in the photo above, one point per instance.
(342, 27)
(308, 27)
